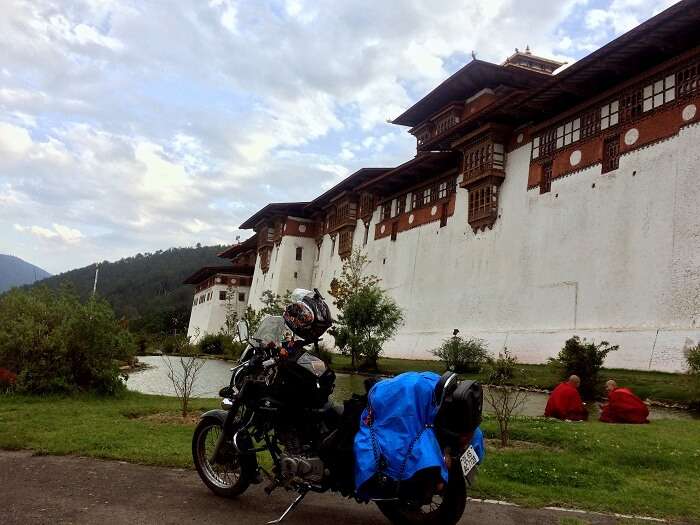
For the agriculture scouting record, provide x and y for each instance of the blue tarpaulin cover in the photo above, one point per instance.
(401, 407)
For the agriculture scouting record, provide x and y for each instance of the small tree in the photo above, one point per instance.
(693, 360)
(368, 319)
(352, 278)
(463, 355)
(585, 359)
(506, 401)
(183, 371)
(274, 304)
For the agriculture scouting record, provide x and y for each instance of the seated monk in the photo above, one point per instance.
(623, 406)
(565, 402)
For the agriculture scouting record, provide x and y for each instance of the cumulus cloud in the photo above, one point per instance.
(126, 126)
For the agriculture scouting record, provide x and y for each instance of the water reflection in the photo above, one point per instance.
(215, 374)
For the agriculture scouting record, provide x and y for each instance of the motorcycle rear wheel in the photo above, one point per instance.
(228, 477)
(445, 509)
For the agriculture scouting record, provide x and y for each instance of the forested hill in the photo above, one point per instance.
(147, 288)
(16, 272)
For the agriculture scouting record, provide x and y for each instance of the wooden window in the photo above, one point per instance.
(401, 205)
(631, 105)
(658, 93)
(568, 133)
(545, 144)
(394, 230)
(546, 178)
(610, 114)
(241, 297)
(414, 200)
(386, 211)
(367, 203)
(344, 243)
(590, 123)
(483, 202)
(688, 80)
(222, 296)
(443, 215)
(299, 253)
(611, 153)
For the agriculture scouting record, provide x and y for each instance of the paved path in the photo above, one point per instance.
(51, 489)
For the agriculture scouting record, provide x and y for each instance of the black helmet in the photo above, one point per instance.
(308, 316)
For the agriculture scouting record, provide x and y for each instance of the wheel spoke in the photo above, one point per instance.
(225, 473)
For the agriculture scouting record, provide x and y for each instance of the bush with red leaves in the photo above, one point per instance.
(7, 379)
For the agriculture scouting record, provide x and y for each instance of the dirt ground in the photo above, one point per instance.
(51, 489)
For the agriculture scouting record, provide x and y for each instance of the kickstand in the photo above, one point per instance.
(302, 494)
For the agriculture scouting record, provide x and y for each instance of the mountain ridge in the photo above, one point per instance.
(15, 271)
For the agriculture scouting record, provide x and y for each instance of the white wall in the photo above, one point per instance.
(209, 317)
(281, 277)
(619, 261)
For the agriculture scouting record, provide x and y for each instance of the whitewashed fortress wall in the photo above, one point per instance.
(612, 256)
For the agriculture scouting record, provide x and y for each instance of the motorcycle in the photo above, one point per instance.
(277, 402)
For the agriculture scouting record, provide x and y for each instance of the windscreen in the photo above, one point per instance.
(271, 329)
(312, 364)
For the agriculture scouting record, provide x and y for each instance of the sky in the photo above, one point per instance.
(129, 126)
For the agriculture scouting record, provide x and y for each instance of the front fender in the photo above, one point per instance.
(217, 414)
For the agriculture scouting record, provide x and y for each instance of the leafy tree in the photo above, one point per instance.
(463, 355)
(274, 304)
(56, 343)
(352, 278)
(585, 359)
(368, 319)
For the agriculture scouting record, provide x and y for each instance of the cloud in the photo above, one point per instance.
(57, 231)
(126, 126)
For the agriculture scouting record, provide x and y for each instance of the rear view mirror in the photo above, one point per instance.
(242, 329)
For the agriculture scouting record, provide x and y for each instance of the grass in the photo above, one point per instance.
(643, 469)
(659, 386)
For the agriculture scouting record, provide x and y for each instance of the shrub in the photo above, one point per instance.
(503, 370)
(693, 360)
(58, 344)
(7, 380)
(463, 355)
(368, 319)
(212, 344)
(585, 359)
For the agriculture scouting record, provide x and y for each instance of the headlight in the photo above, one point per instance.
(226, 403)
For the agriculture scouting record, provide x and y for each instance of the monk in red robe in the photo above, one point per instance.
(623, 406)
(565, 402)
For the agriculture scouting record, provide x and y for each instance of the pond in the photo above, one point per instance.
(216, 374)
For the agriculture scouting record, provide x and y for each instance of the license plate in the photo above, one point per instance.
(469, 460)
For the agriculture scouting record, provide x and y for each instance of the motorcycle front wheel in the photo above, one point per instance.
(230, 474)
(445, 508)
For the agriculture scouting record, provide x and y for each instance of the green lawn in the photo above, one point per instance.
(659, 386)
(645, 469)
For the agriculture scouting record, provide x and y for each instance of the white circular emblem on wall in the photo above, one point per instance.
(631, 136)
(520, 138)
(411, 218)
(302, 228)
(575, 157)
(433, 210)
(383, 229)
(689, 112)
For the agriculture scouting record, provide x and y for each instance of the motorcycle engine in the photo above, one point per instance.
(298, 462)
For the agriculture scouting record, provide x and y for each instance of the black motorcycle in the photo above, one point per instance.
(278, 402)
